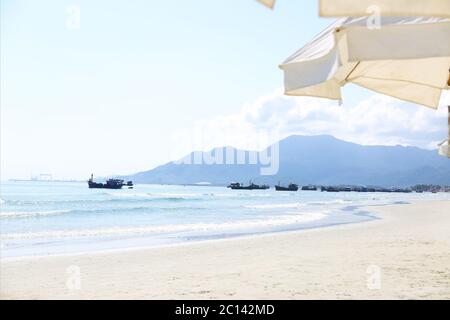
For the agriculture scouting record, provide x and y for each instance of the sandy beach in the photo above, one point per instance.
(404, 255)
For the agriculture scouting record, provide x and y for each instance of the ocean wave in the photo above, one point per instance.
(254, 195)
(276, 206)
(125, 210)
(197, 227)
(124, 198)
(111, 197)
(337, 201)
(159, 196)
(225, 195)
(30, 214)
(52, 202)
(156, 195)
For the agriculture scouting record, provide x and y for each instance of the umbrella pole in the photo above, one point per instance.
(449, 125)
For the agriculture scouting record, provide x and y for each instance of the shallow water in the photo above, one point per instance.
(41, 218)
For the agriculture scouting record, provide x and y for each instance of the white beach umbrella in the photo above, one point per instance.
(406, 58)
(268, 3)
(444, 147)
(393, 8)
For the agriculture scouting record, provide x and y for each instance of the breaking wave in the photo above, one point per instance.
(30, 214)
(196, 227)
(125, 210)
(276, 206)
(337, 201)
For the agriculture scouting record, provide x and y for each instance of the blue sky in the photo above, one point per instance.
(107, 97)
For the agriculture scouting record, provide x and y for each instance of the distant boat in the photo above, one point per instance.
(291, 187)
(252, 186)
(363, 189)
(329, 189)
(309, 188)
(110, 184)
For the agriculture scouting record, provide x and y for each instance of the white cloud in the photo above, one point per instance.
(378, 120)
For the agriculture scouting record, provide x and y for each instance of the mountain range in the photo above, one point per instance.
(320, 160)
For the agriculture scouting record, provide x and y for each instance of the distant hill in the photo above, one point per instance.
(322, 160)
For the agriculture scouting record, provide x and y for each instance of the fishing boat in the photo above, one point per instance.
(291, 187)
(252, 186)
(329, 189)
(309, 188)
(110, 184)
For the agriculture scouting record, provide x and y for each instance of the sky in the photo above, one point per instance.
(131, 85)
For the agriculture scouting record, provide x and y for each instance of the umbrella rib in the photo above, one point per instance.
(405, 81)
(354, 68)
(311, 95)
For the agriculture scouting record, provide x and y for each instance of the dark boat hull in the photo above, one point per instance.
(329, 189)
(249, 188)
(309, 188)
(95, 185)
(110, 184)
(238, 186)
(279, 188)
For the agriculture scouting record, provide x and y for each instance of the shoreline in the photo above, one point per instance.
(356, 209)
(410, 244)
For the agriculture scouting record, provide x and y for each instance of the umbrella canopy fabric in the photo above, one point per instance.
(406, 58)
(268, 3)
(399, 8)
(444, 147)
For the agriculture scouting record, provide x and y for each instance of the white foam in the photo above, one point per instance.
(276, 206)
(247, 224)
(337, 201)
(226, 195)
(157, 195)
(29, 214)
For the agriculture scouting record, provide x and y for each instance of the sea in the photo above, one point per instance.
(58, 218)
